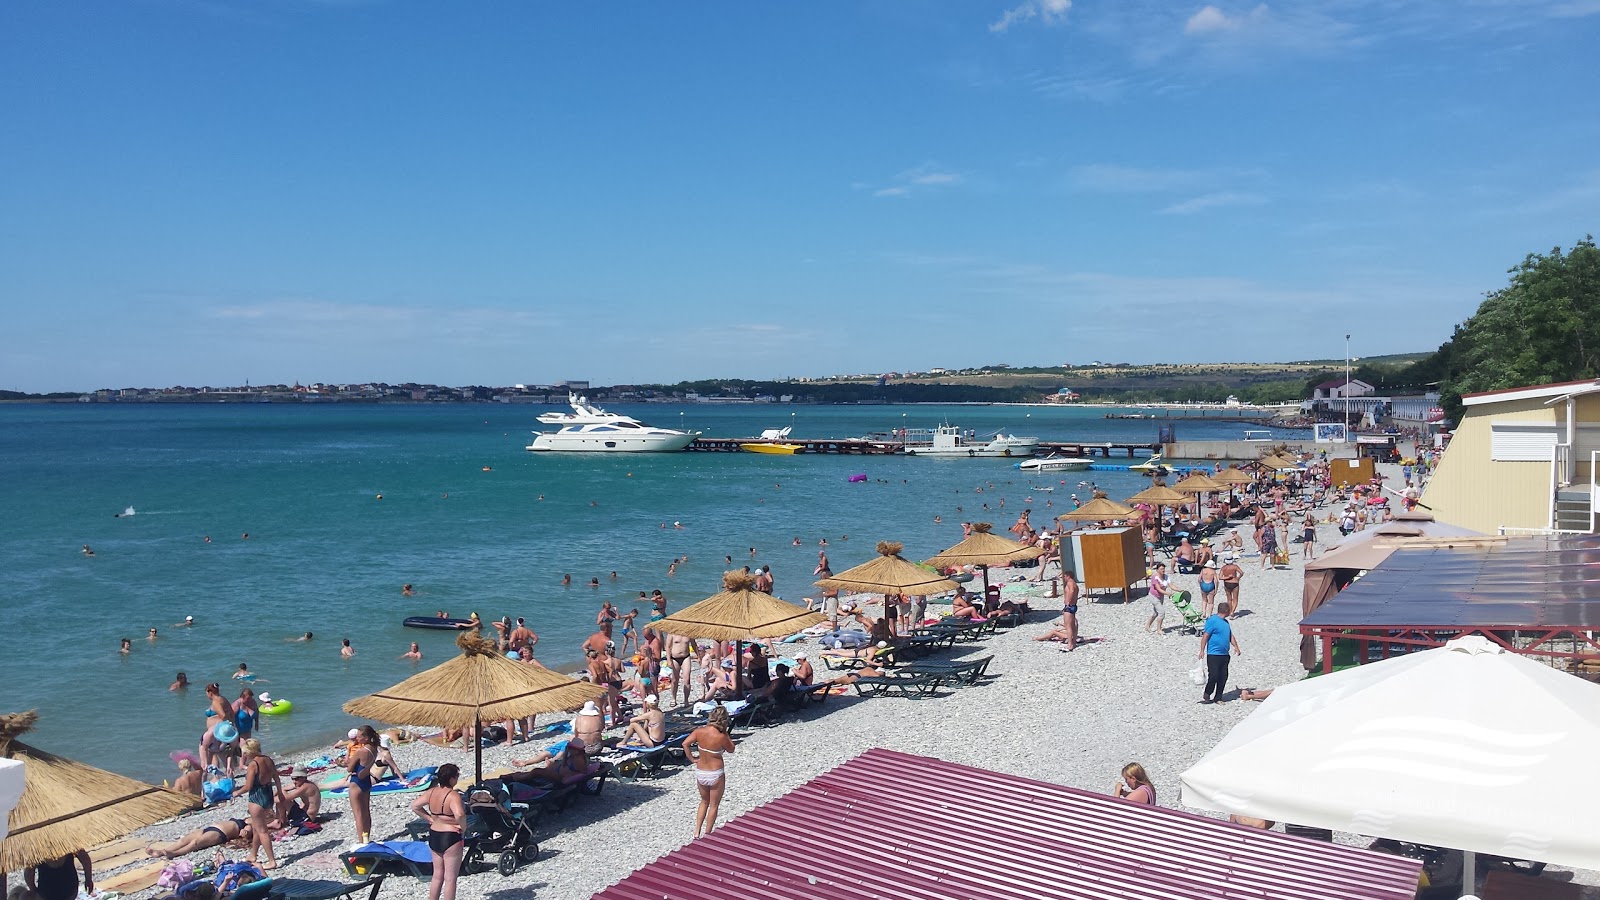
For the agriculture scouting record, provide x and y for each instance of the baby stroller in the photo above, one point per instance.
(495, 825)
(1184, 604)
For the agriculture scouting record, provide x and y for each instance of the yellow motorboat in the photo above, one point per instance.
(772, 441)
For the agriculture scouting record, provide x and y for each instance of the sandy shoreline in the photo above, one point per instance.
(1069, 718)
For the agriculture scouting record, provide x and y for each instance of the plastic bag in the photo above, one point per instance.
(1198, 673)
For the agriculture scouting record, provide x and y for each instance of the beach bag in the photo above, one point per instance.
(1198, 673)
(178, 873)
(218, 790)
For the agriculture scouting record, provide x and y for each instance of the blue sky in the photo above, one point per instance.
(209, 191)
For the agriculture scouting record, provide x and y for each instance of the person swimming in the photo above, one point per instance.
(345, 650)
(86, 551)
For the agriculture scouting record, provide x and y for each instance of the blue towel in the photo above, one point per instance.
(415, 851)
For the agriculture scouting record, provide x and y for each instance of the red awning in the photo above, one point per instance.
(893, 826)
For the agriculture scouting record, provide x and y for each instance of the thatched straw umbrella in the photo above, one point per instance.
(737, 613)
(1159, 495)
(1100, 509)
(1234, 477)
(1199, 483)
(983, 549)
(67, 806)
(478, 685)
(1278, 463)
(890, 573)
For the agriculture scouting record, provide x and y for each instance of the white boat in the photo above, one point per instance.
(590, 429)
(1053, 463)
(947, 441)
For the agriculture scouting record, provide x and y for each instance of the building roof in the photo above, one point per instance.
(1530, 582)
(893, 825)
(1533, 392)
(1339, 383)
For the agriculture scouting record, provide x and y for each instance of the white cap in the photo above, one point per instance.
(589, 709)
(188, 618)
(650, 699)
(265, 697)
(353, 733)
(383, 741)
(799, 656)
(882, 644)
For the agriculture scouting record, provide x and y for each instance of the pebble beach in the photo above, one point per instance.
(1070, 718)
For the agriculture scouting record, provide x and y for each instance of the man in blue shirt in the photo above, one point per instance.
(1216, 641)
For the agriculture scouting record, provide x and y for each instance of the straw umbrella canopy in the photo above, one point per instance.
(1100, 509)
(1160, 495)
(478, 685)
(1199, 483)
(1234, 477)
(889, 573)
(1279, 462)
(984, 549)
(739, 612)
(67, 806)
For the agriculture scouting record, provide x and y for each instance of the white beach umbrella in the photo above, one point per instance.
(1468, 746)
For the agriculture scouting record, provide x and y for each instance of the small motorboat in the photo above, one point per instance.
(436, 623)
(1054, 463)
(772, 442)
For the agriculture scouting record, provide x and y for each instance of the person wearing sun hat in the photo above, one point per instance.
(648, 728)
(301, 799)
(588, 724)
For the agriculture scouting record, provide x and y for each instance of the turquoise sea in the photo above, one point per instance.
(325, 555)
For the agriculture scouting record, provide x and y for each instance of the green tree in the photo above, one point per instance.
(1542, 327)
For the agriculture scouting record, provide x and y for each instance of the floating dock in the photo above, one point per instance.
(864, 447)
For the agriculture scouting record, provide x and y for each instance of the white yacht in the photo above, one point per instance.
(590, 429)
(1055, 463)
(947, 441)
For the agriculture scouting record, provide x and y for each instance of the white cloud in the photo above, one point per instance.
(1048, 12)
(1210, 20)
(1212, 201)
(919, 179)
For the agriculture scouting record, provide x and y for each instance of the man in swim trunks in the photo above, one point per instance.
(679, 650)
(1069, 608)
(301, 800)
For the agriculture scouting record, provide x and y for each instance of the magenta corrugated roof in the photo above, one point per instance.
(894, 826)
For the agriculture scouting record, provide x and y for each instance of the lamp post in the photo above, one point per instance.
(1347, 386)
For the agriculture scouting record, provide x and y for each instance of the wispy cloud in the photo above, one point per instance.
(1047, 12)
(920, 179)
(1212, 201)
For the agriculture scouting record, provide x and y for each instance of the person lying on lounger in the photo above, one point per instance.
(572, 760)
(867, 671)
(962, 608)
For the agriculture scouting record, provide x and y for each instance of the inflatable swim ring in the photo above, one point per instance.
(276, 708)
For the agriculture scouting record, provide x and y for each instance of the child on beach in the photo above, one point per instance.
(630, 638)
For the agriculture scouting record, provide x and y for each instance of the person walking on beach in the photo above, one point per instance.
(1308, 537)
(440, 806)
(260, 787)
(1231, 575)
(707, 745)
(1159, 586)
(1216, 643)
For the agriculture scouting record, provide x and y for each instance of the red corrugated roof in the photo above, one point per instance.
(894, 826)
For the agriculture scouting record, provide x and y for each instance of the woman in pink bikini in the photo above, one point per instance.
(706, 745)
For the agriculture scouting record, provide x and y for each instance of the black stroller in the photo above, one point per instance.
(497, 826)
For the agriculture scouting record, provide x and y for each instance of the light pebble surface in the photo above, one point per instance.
(1070, 718)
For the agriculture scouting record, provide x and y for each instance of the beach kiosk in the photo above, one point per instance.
(1105, 558)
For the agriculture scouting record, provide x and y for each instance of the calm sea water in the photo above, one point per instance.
(324, 555)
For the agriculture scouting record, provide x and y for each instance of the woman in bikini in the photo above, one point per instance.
(260, 784)
(440, 806)
(216, 834)
(706, 745)
(358, 763)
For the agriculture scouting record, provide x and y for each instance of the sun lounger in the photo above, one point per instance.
(969, 671)
(849, 662)
(913, 687)
(322, 889)
(1501, 885)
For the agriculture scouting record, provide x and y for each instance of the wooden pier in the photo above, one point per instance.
(862, 447)
(847, 446)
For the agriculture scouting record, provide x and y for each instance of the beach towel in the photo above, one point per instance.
(416, 780)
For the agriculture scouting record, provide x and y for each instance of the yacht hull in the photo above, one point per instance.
(610, 443)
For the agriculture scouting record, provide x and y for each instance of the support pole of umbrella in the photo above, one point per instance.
(477, 747)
